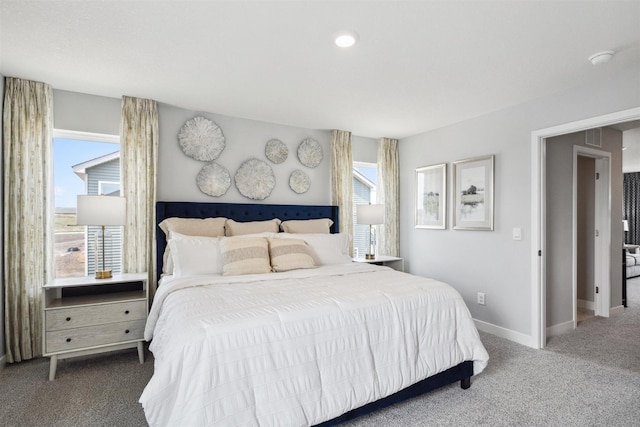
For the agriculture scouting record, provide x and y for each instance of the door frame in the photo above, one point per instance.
(602, 222)
(538, 197)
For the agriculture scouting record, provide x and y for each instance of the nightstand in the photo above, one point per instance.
(84, 315)
(388, 261)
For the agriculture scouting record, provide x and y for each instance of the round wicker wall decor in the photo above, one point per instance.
(255, 179)
(310, 152)
(201, 139)
(213, 179)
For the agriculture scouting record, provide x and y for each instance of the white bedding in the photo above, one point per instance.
(300, 347)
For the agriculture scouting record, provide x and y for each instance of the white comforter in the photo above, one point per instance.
(298, 348)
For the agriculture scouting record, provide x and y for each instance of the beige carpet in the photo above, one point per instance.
(588, 377)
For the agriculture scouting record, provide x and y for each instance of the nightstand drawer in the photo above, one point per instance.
(112, 333)
(99, 314)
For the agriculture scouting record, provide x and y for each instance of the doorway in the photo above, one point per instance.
(577, 243)
(591, 230)
(538, 203)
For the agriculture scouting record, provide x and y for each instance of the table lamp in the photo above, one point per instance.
(101, 211)
(370, 215)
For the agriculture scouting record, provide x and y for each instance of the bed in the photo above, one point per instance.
(301, 346)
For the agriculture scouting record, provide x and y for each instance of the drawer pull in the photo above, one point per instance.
(68, 319)
(126, 312)
(68, 339)
(126, 332)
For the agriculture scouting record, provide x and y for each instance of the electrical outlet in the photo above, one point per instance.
(481, 298)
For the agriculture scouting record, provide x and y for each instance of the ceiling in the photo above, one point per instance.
(419, 65)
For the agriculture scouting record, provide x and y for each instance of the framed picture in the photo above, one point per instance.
(431, 197)
(473, 194)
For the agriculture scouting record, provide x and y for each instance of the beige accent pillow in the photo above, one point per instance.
(290, 254)
(249, 255)
(307, 226)
(206, 227)
(234, 228)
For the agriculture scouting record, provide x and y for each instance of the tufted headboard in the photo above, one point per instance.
(240, 212)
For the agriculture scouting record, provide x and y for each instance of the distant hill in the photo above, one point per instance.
(65, 210)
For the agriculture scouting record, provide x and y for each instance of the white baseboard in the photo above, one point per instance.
(501, 332)
(3, 362)
(589, 305)
(614, 311)
(560, 328)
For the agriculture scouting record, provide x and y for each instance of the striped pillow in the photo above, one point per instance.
(290, 254)
(249, 255)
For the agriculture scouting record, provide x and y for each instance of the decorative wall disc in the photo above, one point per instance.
(299, 181)
(255, 179)
(201, 139)
(213, 179)
(310, 152)
(276, 151)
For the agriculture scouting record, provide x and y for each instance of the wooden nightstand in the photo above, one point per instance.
(84, 315)
(388, 261)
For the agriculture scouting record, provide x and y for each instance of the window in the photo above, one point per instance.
(83, 163)
(364, 192)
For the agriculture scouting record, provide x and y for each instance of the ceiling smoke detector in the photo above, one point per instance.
(601, 57)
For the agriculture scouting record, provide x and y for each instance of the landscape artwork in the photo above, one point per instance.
(431, 200)
(473, 194)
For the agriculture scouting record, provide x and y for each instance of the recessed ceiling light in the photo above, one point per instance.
(345, 38)
(601, 57)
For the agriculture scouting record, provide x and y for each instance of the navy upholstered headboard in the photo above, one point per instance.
(241, 212)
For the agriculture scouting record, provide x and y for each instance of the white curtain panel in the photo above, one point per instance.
(139, 157)
(28, 204)
(388, 195)
(342, 180)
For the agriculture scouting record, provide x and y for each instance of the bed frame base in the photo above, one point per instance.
(461, 372)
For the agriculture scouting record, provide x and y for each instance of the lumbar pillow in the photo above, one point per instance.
(290, 254)
(248, 255)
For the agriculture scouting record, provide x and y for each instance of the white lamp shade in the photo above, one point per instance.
(101, 210)
(625, 225)
(370, 214)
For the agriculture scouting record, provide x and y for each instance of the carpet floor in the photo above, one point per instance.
(588, 377)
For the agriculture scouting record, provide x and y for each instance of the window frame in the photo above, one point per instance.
(80, 136)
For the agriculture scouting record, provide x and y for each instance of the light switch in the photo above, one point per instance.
(517, 233)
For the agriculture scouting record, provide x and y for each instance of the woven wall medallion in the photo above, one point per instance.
(213, 179)
(299, 181)
(310, 152)
(276, 151)
(255, 179)
(201, 139)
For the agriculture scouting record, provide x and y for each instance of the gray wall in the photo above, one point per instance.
(245, 139)
(2, 345)
(491, 262)
(364, 149)
(559, 221)
(86, 113)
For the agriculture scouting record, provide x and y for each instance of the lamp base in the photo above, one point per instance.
(370, 256)
(103, 274)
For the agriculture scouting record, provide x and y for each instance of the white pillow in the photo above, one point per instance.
(327, 248)
(195, 255)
